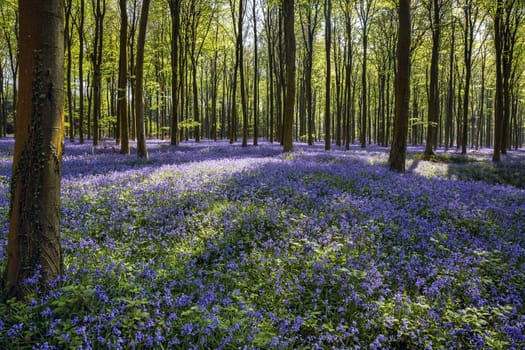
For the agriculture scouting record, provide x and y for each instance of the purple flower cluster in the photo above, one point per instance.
(213, 245)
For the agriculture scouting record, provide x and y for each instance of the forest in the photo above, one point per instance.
(259, 174)
(216, 70)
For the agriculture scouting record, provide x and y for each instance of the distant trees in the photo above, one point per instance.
(219, 71)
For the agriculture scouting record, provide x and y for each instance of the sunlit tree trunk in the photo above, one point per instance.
(123, 79)
(68, 33)
(34, 224)
(399, 142)
(142, 152)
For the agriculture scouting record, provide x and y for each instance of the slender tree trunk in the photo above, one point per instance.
(68, 32)
(142, 151)
(123, 79)
(80, 30)
(399, 143)
(433, 100)
(255, 77)
(34, 226)
(499, 111)
(328, 41)
(450, 94)
(242, 80)
(175, 27)
(469, 39)
(289, 101)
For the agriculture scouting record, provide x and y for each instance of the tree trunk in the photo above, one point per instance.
(175, 28)
(450, 94)
(255, 77)
(34, 226)
(68, 41)
(433, 100)
(469, 39)
(289, 100)
(123, 79)
(328, 41)
(498, 117)
(242, 80)
(399, 143)
(142, 152)
(80, 30)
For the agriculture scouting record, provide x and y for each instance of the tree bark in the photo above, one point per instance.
(289, 98)
(99, 11)
(433, 100)
(142, 151)
(175, 28)
(328, 41)
(399, 142)
(34, 228)
(498, 117)
(123, 79)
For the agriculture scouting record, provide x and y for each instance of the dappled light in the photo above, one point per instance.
(212, 245)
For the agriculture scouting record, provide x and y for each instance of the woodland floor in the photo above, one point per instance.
(215, 246)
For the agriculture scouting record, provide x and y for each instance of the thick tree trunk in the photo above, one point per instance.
(34, 226)
(399, 143)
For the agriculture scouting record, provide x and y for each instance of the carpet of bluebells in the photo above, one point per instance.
(215, 246)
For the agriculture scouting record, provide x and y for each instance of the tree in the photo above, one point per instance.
(471, 13)
(99, 12)
(175, 28)
(80, 30)
(123, 79)
(328, 41)
(399, 142)
(289, 96)
(34, 224)
(365, 11)
(142, 152)
(309, 14)
(68, 42)
(255, 77)
(433, 99)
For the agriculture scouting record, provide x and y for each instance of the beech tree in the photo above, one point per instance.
(123, 79)
(289, 97)
(399, 142)
(34, 224)
(142, 151)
